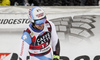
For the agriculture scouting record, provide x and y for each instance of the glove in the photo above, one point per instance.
(56, 57)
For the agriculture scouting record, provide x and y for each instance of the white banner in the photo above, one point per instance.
(79, 35)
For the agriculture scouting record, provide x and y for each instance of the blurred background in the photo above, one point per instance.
(49, 2)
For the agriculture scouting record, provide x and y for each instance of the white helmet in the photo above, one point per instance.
(37, 15)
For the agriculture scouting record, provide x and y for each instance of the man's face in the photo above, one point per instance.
(40, 27)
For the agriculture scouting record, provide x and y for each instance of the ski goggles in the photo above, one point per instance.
(40, 21)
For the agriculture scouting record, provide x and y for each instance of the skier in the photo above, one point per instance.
(39, 39)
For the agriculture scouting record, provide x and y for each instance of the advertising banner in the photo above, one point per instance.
(77, 29)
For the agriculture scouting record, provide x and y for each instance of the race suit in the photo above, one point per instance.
(40, 44)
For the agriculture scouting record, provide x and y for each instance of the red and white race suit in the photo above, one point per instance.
(39, 43)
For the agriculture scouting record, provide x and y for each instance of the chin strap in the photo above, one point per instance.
(56, 56)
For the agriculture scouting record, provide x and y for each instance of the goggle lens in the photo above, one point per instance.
(41, 21)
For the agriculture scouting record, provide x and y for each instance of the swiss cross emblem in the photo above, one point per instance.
(24, 37)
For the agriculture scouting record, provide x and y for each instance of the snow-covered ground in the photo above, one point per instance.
(71, 46)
